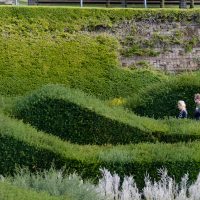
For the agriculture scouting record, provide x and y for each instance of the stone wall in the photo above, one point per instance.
(178, 45)
(7, 2)
(173, 61)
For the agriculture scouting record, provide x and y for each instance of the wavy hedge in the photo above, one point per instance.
(79, 118)
(161, 99)
(11, 192)
(22, 145)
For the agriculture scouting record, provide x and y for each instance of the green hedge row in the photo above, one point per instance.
(79, 118)
(28, 20)
(21, 145)
(11, 192)
(160, 100)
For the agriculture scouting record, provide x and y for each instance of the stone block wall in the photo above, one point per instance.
(173, 61)
(7, 2)
(175, 58)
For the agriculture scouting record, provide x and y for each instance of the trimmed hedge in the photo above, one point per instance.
(21, 145)
(161, 99)
(79, 118)
(75, 60)
(80, 61)
(11, 192)
(53, 45)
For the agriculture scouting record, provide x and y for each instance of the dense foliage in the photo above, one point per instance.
(53, 45)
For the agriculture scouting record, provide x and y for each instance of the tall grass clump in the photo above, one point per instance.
(164, 189)
(56, 184)
(109, 187)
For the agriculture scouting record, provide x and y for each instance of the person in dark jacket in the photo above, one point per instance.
(197, 110)
(183, 112)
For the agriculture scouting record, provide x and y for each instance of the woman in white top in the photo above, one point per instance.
(183, 111)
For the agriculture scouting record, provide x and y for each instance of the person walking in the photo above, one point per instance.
(197, 110)
(183, 111)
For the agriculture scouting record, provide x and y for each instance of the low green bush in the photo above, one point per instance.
(79, 118)
(11, 192)
(136, 50)
(160, 100)
(21, 145)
